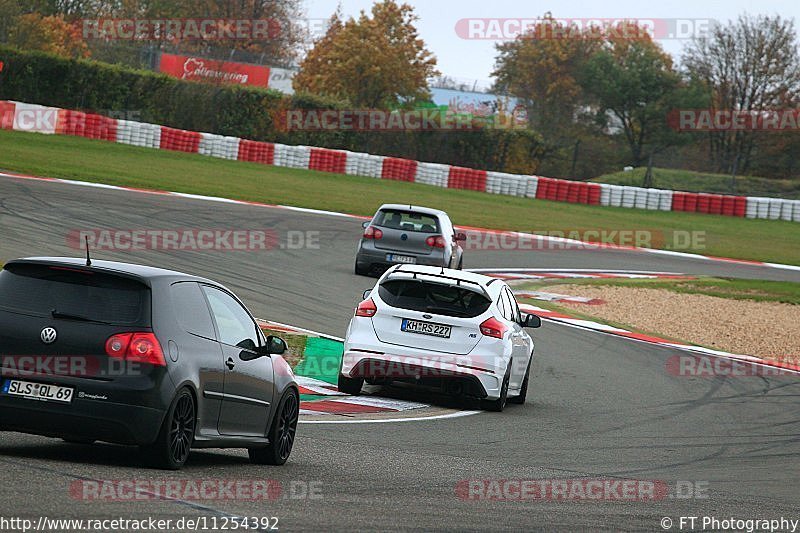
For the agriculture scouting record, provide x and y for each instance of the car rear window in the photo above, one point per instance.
(406, 221)
(438, 298)
(40, 289)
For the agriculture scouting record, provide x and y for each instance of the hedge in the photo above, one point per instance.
(87, 85)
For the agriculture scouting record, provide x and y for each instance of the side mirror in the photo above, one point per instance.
(531, 321)
(275, 345)
(365, 224)
(366, 294)
(461, 237)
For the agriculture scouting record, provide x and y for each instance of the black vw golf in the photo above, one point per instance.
(139, 355)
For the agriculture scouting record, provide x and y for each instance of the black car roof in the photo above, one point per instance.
(143, 272)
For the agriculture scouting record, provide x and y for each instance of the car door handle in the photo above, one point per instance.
(230, 363)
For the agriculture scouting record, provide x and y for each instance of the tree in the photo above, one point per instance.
(376, 62)
(749, 66)
(541, 69)
(632, 81)
(49, 34)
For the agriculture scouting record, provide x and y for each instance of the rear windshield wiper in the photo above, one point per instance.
(69, 316)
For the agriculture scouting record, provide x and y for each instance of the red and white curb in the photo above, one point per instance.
(510, 274)
(556, 297)
(581, 244)
(342, 404)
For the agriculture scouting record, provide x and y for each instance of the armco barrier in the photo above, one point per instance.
(37, 118)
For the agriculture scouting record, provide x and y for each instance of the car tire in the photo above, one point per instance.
(523, 391)
(359, 271)
(174, 442)
(351, 386)
(499, 404)
(281, 434)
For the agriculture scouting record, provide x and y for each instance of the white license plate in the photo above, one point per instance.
(426, 328)
(407, 259)
(38, 391)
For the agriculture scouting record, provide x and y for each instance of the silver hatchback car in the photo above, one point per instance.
(408, 234)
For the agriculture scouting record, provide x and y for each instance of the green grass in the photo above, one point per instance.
(686, 180)
(295, 344)
(117, 164)
(735, 289)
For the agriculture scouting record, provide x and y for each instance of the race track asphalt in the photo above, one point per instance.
(599, 407)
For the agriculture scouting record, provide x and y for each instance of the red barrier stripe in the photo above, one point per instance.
(7, 110)
(326, 160)
(595, 192)
(179, 140)
(466, 178)
(399, 169)
(256, 152)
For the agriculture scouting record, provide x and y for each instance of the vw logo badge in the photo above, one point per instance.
(48, 335)
(403, 237)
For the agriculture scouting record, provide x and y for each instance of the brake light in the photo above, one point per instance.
(491, 327)
(136, 347)
(373, 233)
(117, 345)
(436, 241)
(366, 308)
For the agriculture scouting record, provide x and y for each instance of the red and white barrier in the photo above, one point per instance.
(36, 118)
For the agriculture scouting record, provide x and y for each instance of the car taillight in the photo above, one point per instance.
(491, 327)
(136, 347)
(373, 233)
(117, 345)
(366, 308)
(436, 241)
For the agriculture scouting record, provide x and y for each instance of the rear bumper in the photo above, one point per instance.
(125, 411)
(82, 419)
(368, 256)
(440, 371)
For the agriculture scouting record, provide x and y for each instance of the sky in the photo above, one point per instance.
(473, 59)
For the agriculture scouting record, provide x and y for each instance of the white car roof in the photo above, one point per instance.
(415, 209)
(472, 277)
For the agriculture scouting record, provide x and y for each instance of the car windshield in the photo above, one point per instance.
(73, 294)
(431, 297)
(407, 221)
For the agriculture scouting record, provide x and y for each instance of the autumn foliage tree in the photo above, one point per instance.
(53, 34)
(375, 61)
(541, 68)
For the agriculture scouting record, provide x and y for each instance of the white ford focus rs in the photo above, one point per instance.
(458, 331)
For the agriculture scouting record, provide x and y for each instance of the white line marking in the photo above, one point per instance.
(457, 414)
